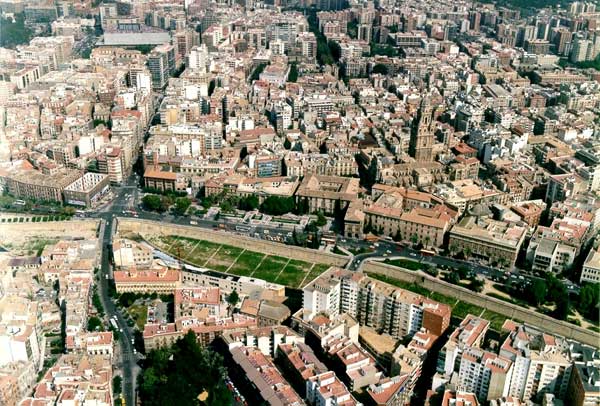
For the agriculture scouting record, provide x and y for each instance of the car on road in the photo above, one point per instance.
(388, 252)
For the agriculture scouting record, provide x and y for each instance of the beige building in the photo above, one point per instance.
(591, 268)
(130, 254)
(34, 184)
(409, 215)
(160, 335)
(495, 241)
(325, 192)
(160, 281)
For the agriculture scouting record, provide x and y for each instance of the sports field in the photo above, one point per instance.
(239, 261)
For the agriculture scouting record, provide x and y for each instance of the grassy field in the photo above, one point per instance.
(460, 309)
(404, 263)
(139, 313)
(238, 261)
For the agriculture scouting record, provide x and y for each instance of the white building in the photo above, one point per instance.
(485, 374)
(541, 361)
(327, 390)
(591, 268)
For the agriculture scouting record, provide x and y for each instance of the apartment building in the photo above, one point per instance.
(112, 163)
(94, 343)
(380, 306)
(470, 333)
(584, 387)
(390, 391)
(530, 211)
(193, 301)
(244, 285)
(299, 363)
(161, 63)
(542, 362)
(352, 363)
(485, 374)
(563, 186)
(458, 398)
(326, 389)
(87, 377)
(88, 190)
(33, 184)
(207, 329)
(266, 339)
(257, 373)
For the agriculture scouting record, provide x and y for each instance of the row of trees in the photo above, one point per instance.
(161, 203)
(459, 275)
(551, 293)
(272, 205)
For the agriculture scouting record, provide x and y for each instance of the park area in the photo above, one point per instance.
(238, 261)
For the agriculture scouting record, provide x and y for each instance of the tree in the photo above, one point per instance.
(176, 375)
(14, 32)
(94, 323)
(287, 144)
(181, 205)
(302, 206)
(152, 202)
(335, 50)
(117, 384)
(381, 69)
(589, 298)
(414, 239)
(233, 298)
(321, 220)
(293, 75)
(226, 206)
(453, 278)
(430, 270)
(276, 206)
(538, 292)
(476, 285)
(127, 299)
(248, 203)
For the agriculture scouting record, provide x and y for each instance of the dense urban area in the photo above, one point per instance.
(299, 202)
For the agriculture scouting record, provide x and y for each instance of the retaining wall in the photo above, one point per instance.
(509, 310)
(17, 233)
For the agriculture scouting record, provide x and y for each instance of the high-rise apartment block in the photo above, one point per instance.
(387, 309)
